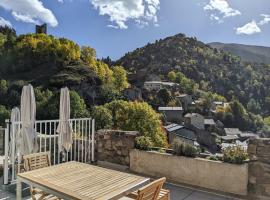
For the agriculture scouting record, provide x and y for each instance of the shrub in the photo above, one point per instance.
(236, 155)
(189, 150)
(143, 143)
(103, 117)
(184, 149)
(177, 147)
(213, 158)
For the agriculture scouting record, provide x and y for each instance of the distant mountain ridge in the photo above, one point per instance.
(248, 53)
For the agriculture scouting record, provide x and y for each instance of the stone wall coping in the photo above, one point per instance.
(110, 131)
(196, 158)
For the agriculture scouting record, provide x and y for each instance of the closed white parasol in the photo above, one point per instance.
(64, 128)
(15, 118)
(28, 135)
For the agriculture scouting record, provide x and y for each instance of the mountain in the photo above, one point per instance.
(248, 53)
(212, 69)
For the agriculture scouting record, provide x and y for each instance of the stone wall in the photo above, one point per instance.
(114, 145)
(259, 169)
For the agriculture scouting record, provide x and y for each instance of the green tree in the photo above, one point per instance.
(77, 106)
(164, 97)
(172, 76)
(267, 120)
(137, 116)
(88, 55)
(120, 78)
(108, 94)
(43, 101)
(4, 114)
(3, 87)
(103, 117)
(254, 106)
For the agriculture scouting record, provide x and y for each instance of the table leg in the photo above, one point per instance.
(19, 189)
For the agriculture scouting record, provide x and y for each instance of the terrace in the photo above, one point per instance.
(181, 186)
(108, 166)
(177, 193)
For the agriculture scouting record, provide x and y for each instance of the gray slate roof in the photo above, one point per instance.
(170, 108)
(232, 131)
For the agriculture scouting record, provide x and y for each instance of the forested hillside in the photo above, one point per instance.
(206, 72)
(248, 53)
(49, 63)
(213, 70)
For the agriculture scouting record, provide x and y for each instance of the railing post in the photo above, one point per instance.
(93, 141)
(6, 152)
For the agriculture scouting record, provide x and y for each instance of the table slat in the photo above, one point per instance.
(83, 181)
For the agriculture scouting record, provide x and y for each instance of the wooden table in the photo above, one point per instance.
(74, 180)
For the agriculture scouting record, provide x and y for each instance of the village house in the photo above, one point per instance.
(196, 104)
(247, 135)
(229, 138)
(133, 93)
(210, 125)
(185, 100)
(158, 85)
(232, 131)
(172, 114)
(216, 104)
(195, 120)
(180, 132)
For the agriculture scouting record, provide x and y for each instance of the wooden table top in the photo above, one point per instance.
(83, 181)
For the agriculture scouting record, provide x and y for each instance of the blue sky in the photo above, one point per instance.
(114, 27)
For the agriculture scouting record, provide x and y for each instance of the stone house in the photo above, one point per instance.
(194, 119)
(232, 131)
(176, 131)
(216, 104)
(247, 135)
(210, 125)
(172, 114)
(185, 99)
(158, 85)
(133, 93)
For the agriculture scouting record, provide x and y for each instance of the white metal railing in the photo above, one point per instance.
(82, 149)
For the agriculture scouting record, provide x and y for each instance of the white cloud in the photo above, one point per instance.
(24, 18)
(248, 29)
(30, 11)
(60, 1)
(266, 19)
(253, 27)
(222, 7)
(121, 11)
(216, 18)
(4, 22)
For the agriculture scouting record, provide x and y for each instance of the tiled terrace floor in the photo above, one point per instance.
(177, 193)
